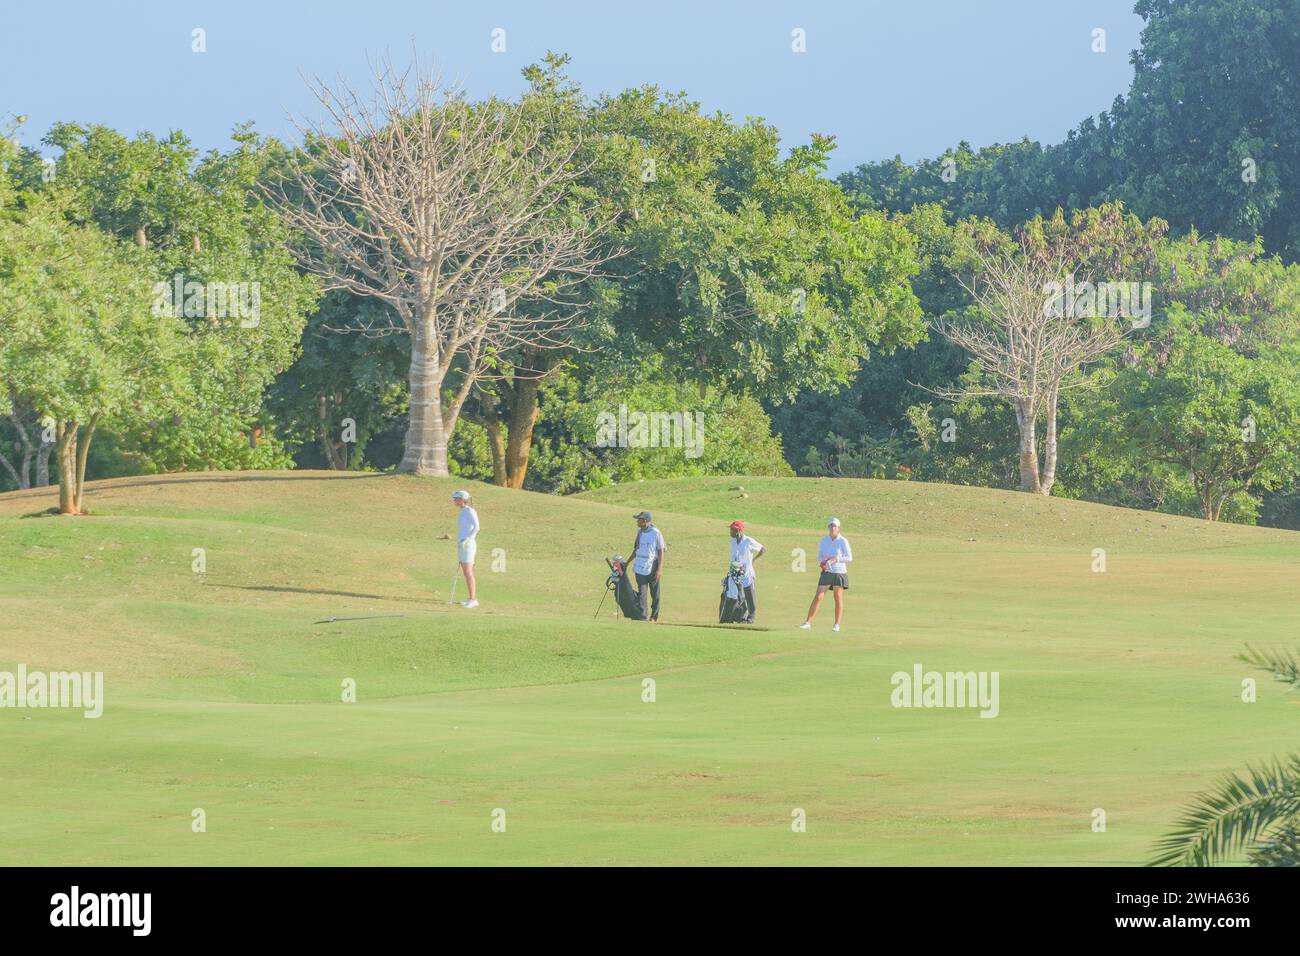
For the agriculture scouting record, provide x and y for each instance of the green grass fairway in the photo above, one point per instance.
(1118, 690)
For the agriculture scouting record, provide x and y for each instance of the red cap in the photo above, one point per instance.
(737, 526)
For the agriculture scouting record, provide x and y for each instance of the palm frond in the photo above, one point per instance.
(1283, 666)
(1281, 848)
(1236, 814)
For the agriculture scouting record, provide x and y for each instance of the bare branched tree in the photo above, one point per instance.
(1028, 337)
(456, 215)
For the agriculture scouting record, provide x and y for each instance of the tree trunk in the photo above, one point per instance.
(12, 473)
(523, 416)
(522, 408)
(1025, 424)
(43, 461)
(83, 450)
(336, 458)
(29, 451)
(1049, 446)
(496, 442)
(1212, 499)
(426, 436)
(23, 474)
(25, 471)
(1204, 493)
(67, 448)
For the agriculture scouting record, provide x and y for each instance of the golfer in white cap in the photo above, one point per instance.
(834, 555)
(466, 545)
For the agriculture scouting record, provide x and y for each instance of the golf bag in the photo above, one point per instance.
(624, 593)
(733, 607)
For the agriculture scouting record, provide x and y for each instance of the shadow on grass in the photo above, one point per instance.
(715, 627)
(112, 484)
(238, 476)
(47, 513)
(370, 617)
(347, 594)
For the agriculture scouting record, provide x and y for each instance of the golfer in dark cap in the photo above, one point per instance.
(648, 554)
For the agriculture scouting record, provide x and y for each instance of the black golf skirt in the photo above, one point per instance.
(830, 579)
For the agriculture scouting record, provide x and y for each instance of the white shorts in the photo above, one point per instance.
(465, 551)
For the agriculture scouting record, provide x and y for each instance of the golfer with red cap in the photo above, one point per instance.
(744, 552)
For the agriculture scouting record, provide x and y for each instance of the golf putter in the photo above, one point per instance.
(452, 599)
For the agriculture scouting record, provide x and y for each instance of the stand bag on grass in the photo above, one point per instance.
(733, 607)
(624, 594)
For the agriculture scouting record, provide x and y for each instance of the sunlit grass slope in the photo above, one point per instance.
(1118, 690)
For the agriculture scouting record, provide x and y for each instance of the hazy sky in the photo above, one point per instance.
(885, 76)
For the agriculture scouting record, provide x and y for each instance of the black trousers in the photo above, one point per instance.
(648, 582)
(749, 598)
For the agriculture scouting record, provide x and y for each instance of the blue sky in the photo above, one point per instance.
(905, 77)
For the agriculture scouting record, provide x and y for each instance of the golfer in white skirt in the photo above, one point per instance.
(466, 543)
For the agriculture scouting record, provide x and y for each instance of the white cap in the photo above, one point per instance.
(833, 521)
(460, 494)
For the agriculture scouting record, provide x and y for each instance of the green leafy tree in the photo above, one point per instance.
(1008, 183)
(344, 389)
(77, 338)
(576, 450)
(9, 153)
(1232, 422)
(571, 321)
(1216, 294)
(25, 445)
(748, 271)
(865, 458)
(204, 230)
(1207, 137)
(893, 394)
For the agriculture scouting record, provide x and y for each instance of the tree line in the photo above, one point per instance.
(443, 286)
(1202, 150)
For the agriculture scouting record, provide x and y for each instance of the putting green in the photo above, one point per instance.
(1118, 691)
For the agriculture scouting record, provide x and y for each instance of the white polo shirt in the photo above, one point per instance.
(649, 545)
(743, 550)
(838, 550)
(466, 524)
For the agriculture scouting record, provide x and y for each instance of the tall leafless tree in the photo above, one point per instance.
(456, 215)
(1028, 341)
